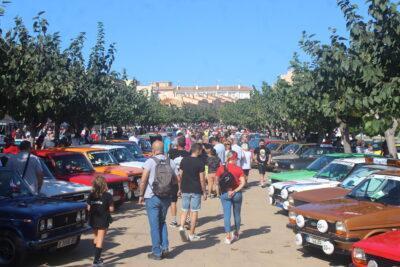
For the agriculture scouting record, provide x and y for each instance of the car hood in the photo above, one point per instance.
(340, 209)
(120, 170)
(53, 187)
(87, 178)
(318, 195)
(38, 206)
(385, 245)
(293, 175)
(136, 164)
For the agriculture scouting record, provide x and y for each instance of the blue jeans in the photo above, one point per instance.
(229, 204)
(157, 209)
(191, 201)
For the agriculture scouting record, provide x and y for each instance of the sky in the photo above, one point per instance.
(192, 42)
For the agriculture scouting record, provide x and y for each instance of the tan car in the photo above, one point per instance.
(371, 208)
(356, 176)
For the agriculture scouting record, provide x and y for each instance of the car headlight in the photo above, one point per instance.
(78, 216)
(340, 228)
(322, 226)
(291, 166)
(42, 225)
(359, 255)
(126, 187)
(300, 221)
(50, 223)
(271, 190)
(284, 193)
(291, 200)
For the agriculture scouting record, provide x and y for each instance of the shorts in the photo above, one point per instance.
(246, 172)
(174, 197)
(262, 169)
(191, 202)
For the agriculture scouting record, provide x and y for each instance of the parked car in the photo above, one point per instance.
(76, 168)
(371, 208)
(122, 154)
(304, 159)
(379, 250)
(104, 162)
(145, 145)
(356, 176)
(329, 176)
(60, 189)
(133, 148)
(30, 222)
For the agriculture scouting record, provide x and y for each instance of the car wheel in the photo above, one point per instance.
(12, 252)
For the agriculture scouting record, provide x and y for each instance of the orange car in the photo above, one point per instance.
(104, 162)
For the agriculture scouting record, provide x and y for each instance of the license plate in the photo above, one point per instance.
(66, 242)
(315, 241)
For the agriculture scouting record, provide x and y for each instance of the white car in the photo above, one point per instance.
(330, 176)
(122, 154)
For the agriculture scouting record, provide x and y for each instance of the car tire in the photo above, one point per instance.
(12, 250)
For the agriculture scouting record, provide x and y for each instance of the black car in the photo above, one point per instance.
(304, 159)
(30, 222)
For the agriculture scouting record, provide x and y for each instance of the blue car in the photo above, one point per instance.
(30, 222)
(134, 149)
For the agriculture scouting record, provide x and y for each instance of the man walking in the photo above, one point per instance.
(238, 150)
(28, 166)
(193, 186)
(219, 148)
(156, 188)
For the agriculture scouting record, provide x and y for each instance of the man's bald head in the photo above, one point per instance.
(157, 147)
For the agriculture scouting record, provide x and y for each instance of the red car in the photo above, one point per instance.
(379, 250)
(76, 168)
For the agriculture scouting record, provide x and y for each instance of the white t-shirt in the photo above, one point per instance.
(220, 149)
(246, 160)
(239, 151)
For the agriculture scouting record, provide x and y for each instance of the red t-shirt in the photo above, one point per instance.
(12, 149)
(236, 171)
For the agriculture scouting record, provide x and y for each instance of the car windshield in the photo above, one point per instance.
(319, 163)
(12, 185)
(102, 158)
(357, 176)
(46, 172)
(334, 171)
(122, 155)
(145, 145)
(134, 149)
(378, 189)
(69, 164)
(291, 149)
(314, 151)
(272, 146)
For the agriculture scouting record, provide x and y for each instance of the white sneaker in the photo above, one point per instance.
(194, 238)
(182, 233)
(228, 240)
(235, 237)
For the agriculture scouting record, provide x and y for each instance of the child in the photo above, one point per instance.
(246, 161)
(213, 162)
(100, 204)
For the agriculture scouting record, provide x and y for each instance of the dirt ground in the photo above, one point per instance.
(264, 241)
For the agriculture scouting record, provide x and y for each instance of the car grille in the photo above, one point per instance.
(312, 225)
(74, 197)
(299, 202)
(382, 262)
(64, 220)
(277, 192)
(116, 186)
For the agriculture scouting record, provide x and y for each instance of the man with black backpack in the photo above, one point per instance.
(158, 184)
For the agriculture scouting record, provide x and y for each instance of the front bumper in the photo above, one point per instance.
(51, 242)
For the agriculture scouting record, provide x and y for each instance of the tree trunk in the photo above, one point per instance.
(344, 129)
(390, 136)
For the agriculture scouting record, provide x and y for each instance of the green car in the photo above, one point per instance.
(311, 169)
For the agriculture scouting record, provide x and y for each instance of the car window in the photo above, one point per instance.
(334, 171)
(122, 155)
(69, 164)
(357, 175)
(378, 189)
(272, 146)
(319, 163)
(291, 149)
(134, 149)
(46, 172)
(101, 158)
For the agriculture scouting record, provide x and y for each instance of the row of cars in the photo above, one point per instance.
(56, 218)
(345, 204)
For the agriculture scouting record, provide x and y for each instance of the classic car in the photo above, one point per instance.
(122, 155)
(76, 168)
(292, 151)
(371, 208)
(104, 162)
(133, 148)
(330, 176)
(30, 222)
(304, 158)
(356, 176)
(379, 250)
(60, 189)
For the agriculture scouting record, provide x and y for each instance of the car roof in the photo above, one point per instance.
(350, 160)
(81, 149)
(346, 155)
(388, 174)
(107, 147)
(52, 152)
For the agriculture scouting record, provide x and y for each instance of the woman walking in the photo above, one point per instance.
(100, 205)
(231, 197)
(246, 161)
(213, 162)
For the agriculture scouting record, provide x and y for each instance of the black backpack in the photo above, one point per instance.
(165, 179)
(226, 180)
